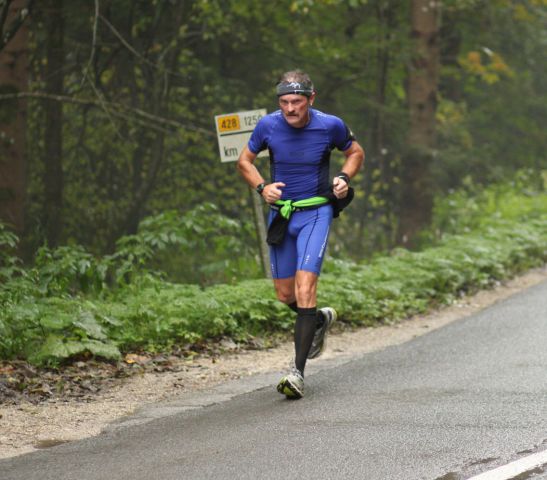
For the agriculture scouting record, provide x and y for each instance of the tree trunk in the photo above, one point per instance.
(378, 158)
(149, 156)
(12, 16)
(416, 201)
(13, 79)
(53, 141)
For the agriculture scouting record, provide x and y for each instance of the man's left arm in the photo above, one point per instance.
(355, 156)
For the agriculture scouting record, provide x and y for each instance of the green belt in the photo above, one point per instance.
(287, 207)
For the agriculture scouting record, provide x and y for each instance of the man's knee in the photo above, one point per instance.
(306, 289)
(284, 289)
(285, 296)
(305, 294)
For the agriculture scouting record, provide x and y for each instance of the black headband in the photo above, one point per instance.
(287, 88)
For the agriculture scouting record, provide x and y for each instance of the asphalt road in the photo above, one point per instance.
(447, 405)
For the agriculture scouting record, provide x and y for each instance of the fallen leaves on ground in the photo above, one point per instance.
(84, 377)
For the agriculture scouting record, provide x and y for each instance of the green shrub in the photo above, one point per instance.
(70, 303)
(474, 206)
(203, 247)
(9, 263)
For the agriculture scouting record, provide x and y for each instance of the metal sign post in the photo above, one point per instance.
(233, 132)
(260, 225)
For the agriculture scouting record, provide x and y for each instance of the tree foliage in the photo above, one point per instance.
(142, 81)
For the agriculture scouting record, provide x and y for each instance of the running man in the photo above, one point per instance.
(300, 140)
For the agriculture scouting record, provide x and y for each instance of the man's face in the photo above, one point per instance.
(295, 109)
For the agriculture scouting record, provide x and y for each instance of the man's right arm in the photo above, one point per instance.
(247, 169)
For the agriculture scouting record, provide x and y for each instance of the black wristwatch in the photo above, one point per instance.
(344, 176)
(260, 188)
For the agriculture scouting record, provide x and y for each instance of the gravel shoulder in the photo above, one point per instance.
(27, 426)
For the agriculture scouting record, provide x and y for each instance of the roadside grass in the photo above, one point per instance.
(70, 303)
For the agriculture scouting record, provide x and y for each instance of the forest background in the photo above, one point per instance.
(109, 166)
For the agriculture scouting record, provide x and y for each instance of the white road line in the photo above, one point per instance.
(514, 468)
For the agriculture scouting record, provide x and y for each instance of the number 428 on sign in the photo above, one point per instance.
(229, 123)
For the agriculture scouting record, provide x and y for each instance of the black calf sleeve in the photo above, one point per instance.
(304, 330)
(293, 306)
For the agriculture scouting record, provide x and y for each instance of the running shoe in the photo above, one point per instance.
(292, 384)
(320, 338)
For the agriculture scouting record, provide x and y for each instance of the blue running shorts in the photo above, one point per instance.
(305, 242)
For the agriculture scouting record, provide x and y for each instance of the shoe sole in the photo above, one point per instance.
(285, 387)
